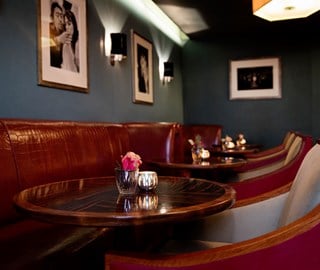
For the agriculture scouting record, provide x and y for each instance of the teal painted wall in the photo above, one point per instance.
(198, 94)
(110, 90)
(206, 99)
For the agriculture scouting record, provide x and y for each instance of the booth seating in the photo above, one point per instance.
(34, 152)
(153, 140)
(210, 138)
(276, 232)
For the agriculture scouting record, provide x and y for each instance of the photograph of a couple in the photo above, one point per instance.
(64, 34)
(63, 48)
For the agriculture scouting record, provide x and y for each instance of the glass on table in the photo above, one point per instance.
(126, 181)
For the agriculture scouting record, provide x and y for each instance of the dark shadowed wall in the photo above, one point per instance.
(199, 92)
(206, 98)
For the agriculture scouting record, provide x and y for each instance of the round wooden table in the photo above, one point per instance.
(96, 202)
(239, 151)
(213, 168)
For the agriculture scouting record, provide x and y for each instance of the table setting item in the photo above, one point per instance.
(147, 180)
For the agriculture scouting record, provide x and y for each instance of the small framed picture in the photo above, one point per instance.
(62, 44)
(142, 69)
(255, 79)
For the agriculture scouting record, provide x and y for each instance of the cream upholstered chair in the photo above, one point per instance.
(261, 167)
(268, 160)
(273, 179)
(265, 216)
(273, 151)
(277, 232)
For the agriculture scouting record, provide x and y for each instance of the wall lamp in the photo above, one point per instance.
(118, 47)
(168, 72)
(276, 10)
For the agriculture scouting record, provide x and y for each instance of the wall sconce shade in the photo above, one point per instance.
(118, 47)
(168, 72)
(276, 10)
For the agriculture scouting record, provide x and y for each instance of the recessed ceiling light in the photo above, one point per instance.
(276, 10)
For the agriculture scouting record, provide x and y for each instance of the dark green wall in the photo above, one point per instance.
(206, 98)
(198, 94)
(110, 89)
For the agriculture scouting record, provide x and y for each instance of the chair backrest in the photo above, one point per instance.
(158, 136)
(254, 186)
(47, 151)
(293, 149)
(295, 146)
(304, 194)
(288, 139)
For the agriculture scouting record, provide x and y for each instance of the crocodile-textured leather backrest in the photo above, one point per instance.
(9, 184)
(47, 151)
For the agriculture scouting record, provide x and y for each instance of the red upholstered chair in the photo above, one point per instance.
(273, 151)
(255, 168)
(276, 232)
(276, 177)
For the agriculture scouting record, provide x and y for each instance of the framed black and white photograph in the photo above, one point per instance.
(62, 44)
(255, 78)
(142, 69)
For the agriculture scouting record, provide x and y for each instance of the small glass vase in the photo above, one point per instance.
(127, 181)
(127, 203)
(196, 155)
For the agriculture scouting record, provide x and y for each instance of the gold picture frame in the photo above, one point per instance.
(62, 44)
(142, 69)
(255, 78)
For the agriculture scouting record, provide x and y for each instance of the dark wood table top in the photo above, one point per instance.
(207, 164)
(240, 151)
(96, 202)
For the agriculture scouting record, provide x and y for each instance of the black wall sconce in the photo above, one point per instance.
(168, 72)
(118, 47)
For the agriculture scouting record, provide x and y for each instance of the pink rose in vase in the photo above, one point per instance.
(131, 161)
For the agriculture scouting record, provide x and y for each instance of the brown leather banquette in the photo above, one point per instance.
(34, 152)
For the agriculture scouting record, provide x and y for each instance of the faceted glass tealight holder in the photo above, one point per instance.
(126, 181)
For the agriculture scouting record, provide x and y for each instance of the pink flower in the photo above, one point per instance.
(131, 161)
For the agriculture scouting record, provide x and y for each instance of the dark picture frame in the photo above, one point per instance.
(62, 44)
(142, 69)
(255, 78)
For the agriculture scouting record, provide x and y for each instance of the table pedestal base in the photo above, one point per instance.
(144, 238)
